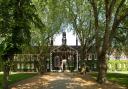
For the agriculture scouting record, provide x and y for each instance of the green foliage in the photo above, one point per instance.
(16, 20)
(16, 17)
(118, 78)
(16, 77)
(25, 23)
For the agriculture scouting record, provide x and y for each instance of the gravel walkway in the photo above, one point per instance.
(62, 81)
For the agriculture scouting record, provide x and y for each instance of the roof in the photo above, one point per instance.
(63, 48)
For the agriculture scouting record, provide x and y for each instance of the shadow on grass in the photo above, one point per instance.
(13, 78)
(119, 78)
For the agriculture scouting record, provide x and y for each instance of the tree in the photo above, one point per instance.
(115, 12)
(78, 14)
(51, 16)
(17, 16)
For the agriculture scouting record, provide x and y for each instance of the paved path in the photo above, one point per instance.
(62, 81)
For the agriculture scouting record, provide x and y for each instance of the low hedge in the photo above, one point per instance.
(118, 65)
(113, 65)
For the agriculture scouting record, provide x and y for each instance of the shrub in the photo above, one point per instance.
(118, 65)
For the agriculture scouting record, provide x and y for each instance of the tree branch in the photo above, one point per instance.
(118, 19)
(112, 4)
(123, 27)
(117, 11)
(95, 12)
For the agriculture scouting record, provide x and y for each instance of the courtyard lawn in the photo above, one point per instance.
(17, 77)
(119, 78)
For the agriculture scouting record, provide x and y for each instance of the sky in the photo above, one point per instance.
(71, 39)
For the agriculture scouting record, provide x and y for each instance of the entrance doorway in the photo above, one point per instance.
(64, 65)
(64, 58)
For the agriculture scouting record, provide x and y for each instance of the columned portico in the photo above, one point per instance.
(64, 58)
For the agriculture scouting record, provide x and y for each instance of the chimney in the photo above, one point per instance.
(76, 41)
(51, 41)
(64, 40)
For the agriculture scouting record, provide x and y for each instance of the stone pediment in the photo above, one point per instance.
(64, 48)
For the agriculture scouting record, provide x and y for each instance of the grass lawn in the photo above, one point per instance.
(16, 77)
(119, 78)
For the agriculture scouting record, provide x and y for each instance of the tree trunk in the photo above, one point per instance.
(82, 55)
(102, 69)
(5, 76)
